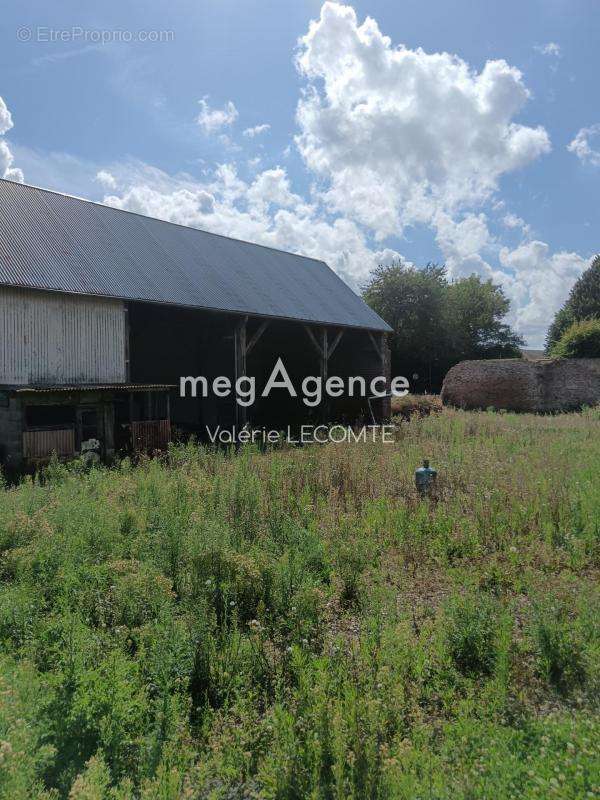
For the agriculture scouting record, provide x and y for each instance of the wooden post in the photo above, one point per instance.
(324, 371)
(379, 344)
(127, 337)
(108, 414)
(241, 412)
(322, 348)
(386, 405)
(131, 422)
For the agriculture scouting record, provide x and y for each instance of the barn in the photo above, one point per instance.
(102, 311)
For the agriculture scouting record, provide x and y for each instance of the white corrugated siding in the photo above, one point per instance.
(52, 338)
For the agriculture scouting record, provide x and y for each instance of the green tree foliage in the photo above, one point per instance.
(583, 303)
(438, 323)
(580, 340)
(411, 301)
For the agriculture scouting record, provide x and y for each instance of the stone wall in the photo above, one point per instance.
(557, 384)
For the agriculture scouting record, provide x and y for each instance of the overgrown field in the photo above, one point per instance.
(298, 624)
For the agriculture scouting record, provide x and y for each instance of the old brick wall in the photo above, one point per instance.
(520, 385)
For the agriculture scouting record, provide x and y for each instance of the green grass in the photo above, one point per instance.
(298, 624)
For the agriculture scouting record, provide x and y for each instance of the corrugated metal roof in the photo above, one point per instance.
(93, 387)
(57, 242)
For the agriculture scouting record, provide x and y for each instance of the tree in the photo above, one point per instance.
(411, 301)
(580, 340)
(583, 303)
(474, 313)
(437, 323)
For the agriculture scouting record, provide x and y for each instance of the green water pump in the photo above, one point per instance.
(424, 478)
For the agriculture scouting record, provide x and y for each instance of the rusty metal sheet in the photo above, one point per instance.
(150, 435)
(40, 445)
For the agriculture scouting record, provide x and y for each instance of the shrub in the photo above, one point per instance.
(233, 584)
(418, 405)
(123, 592)
(580, 340)
(472, 634)
(568, 642)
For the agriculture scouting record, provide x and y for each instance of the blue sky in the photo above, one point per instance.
(460, 132)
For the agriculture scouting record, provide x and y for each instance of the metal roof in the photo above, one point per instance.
(57, 242)
(92, 387)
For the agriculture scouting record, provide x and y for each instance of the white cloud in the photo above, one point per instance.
(582, 148)
(538, 284)
(6, 157)
(257, 130)
(461, 243)
(463, 238)
(272, 187)
(513, 221)
(6, 122)
(213, 119)
(106, 179)
(398, 134)
(548, 49)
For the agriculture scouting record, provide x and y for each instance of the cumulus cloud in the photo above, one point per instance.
(257, 130)
(461, 242)
(6, 122)
(211, 120)
(548, 49)
(513, 221)
(392, 137)
(538, 282)
(582, 148)
(106, 179)
(398, 134)
(6, 157)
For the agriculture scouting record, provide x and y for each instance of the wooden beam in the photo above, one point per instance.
(378, 349)
(335, 343)
(324, 354)
(131, 422)
(127, 337)
(324, 371)
(314, 340)
(241, 412)
(262, 328)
